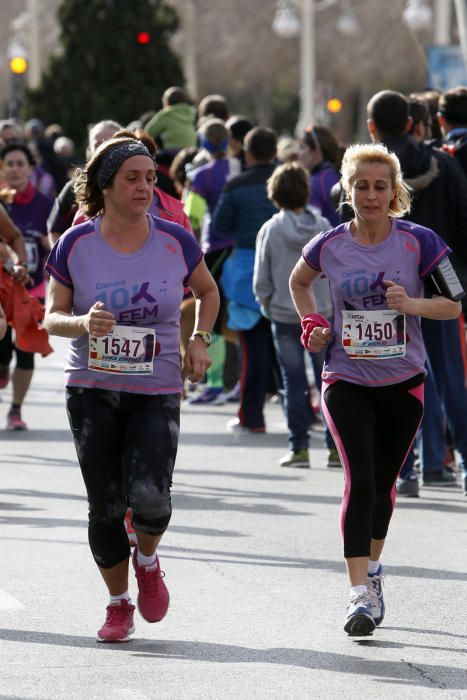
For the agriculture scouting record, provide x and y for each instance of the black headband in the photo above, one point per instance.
(117, 155)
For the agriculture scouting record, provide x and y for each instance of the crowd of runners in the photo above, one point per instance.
(196, 256)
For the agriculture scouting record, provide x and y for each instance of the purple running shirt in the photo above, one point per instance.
(143, 289)
(356, 272)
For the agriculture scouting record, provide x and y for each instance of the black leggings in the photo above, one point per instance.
(126, 446)
(373, 428)
(24, 360)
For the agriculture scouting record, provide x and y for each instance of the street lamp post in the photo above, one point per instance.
(461, 12)
(419, 15)
(307, 66)
(190, 66)
(287, 25)
(442, 28)
(34, 43)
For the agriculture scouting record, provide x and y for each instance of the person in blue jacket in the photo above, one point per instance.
(242, 209)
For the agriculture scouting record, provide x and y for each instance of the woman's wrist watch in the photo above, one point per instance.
(205, 337)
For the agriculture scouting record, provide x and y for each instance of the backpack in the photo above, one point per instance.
(457, 148)
(453, 147)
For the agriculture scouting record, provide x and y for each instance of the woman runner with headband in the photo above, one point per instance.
(116, 286)
(385, 274)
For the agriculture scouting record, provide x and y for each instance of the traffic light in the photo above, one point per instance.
(334, 105)
(18, 65)
(143, 38)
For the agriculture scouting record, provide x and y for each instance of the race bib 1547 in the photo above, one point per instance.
(125, 350)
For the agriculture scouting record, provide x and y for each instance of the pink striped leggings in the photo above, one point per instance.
(373, 428)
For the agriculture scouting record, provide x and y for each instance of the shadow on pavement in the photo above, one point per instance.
(329, 565)
(38, 459)
(45, 522)
(270, 496)
(227, 439)
(440, 506)
(239, 474)
(44, 435)
(185, 501)
(31, 493)
(402, 672)
(382, 644)
(16, 506)
(438, 633)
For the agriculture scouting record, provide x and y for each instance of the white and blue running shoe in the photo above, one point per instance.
(359, 621)
(376, 595)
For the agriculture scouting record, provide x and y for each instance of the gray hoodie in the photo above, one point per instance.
(279, 246)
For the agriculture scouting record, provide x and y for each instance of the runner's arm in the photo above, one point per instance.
(438, 308)
(59, 320)
(300, 285)
(3, 323)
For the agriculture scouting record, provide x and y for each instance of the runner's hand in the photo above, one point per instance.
(319, 338)
(21, 275)
(98, 321)
(397, 298)
(196, 360)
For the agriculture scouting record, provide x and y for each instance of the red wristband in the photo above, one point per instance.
(309, 323)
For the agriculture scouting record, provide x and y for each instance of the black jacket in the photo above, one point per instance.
(439, 194)
(457, 146)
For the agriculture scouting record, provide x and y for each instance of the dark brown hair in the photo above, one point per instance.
(453, 106)
(89, 196)
(261, 142)
(213, 106)
(389, 110)
(289, 186)
(323, 137)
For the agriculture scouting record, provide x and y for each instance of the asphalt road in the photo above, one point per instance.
(253, 561)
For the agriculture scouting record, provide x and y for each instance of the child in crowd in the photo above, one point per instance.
(278, 247)
(173, 127)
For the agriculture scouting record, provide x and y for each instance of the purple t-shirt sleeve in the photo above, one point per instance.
(312, 252)
(198, 184)
(57, 262)
(432, 250)
(192, 253)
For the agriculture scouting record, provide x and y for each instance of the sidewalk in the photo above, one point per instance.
(253, 562)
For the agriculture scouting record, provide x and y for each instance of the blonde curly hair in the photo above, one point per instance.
(376, 153)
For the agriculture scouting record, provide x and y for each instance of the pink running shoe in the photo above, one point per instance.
(153, 596)
(130, 530)
(15, 422)
(118, 623)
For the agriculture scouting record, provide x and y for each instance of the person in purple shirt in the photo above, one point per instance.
(116, 285)
(319, 153)
(385, 275)
(29, 211)
(205, 186)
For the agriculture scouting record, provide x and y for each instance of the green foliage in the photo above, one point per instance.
(103, 72)
(285, 111)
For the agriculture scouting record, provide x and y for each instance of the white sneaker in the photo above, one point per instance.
(220, 400)
(233, 396)
(359, 621)
(376, 595)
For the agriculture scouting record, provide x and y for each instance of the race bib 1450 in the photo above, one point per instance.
(377, 335)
